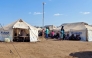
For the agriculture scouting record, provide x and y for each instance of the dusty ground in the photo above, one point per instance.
(46, 49)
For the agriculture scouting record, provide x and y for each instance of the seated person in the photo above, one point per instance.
(72, 37)
(78, 37)
(57, 35)
(67, 37)
(23, 33)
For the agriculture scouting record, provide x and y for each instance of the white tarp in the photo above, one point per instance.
(89, 35)
(33, 36)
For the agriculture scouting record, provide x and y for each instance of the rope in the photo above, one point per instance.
(6, 44)
(9, 49)
(12, 44)
(16, 50)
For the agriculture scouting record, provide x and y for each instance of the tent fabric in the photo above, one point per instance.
(22, 25)
(89, 28)
(90, 35)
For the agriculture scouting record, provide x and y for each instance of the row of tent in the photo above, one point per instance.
(81, 28)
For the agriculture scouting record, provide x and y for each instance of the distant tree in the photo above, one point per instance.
(37, 26)
(40, 27)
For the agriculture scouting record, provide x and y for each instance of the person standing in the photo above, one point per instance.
(67, 37)
(42, 33)
(58, 35)
(47, 32)
(62, 33)
(52, 34)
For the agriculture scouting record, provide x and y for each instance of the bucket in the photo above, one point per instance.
(7, 40)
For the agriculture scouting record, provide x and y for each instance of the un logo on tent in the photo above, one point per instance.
(4, 32)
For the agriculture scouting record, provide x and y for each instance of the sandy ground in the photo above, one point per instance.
(46, 49)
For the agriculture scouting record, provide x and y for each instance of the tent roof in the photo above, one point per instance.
(19, 24)
(88, 27)
(74, 26)
(76, 23)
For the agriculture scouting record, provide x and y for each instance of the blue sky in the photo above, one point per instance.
(56, 11)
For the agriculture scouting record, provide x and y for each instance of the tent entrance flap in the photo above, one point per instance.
(89, 35)
(21, 35)
(33, 35)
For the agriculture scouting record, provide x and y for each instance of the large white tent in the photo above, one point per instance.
(81, 28)
(15, 27)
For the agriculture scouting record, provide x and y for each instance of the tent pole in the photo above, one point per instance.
(17, 31)
(86, 34)
(17, 34)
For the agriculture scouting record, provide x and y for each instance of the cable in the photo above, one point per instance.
(12, 44)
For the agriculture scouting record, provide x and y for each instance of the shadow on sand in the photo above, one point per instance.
(83, 54)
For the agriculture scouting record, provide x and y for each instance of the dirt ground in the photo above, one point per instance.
(46, 49)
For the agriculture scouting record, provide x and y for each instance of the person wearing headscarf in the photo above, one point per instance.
(62, 32)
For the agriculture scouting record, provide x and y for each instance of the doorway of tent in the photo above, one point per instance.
(21, 35)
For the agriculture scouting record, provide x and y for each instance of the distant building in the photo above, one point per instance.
(90, 25)
(51, 27)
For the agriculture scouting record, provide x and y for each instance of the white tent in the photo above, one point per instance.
(15, 27)
(81, 28)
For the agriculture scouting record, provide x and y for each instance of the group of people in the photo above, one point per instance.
(58, 35)
(21, 36)
(52, 34)
(77, 37)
